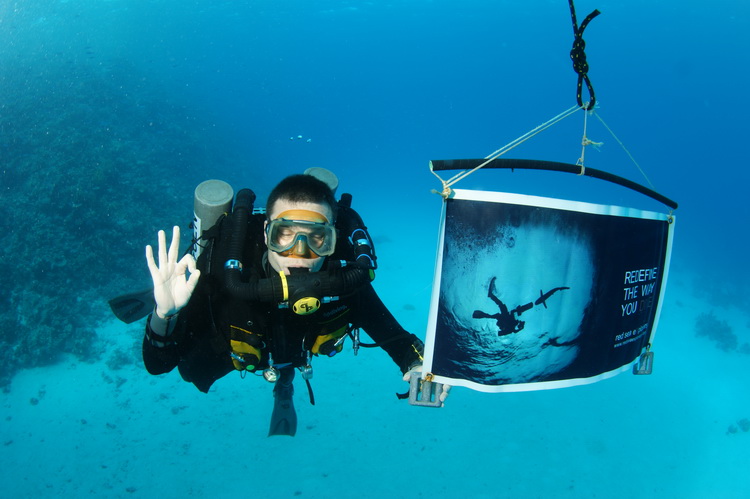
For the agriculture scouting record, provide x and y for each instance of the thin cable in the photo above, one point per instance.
(499, 152)
(626, 150)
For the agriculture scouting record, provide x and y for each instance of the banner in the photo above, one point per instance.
(535, 293)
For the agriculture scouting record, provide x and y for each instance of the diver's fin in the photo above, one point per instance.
(284, 417)
(133, 306)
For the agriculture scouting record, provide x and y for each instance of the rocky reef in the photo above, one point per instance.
(708, 325)
(742, 425)
(96, 159)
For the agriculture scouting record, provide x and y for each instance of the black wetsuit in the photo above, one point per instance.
(199, 345)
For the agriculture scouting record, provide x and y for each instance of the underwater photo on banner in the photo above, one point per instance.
(536, 293)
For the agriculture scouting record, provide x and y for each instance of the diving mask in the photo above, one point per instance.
(298, 233)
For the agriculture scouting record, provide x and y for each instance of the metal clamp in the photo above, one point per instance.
(424, 393)
(645, 364)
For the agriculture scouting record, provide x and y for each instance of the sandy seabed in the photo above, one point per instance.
(109, 429)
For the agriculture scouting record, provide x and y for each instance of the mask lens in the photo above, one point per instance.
(284, 235)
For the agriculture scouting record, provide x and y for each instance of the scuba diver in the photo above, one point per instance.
(507, 320)
(268, 293)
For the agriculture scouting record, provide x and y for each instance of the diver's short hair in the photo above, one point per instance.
(302, 189)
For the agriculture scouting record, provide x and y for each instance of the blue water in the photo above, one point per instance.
(112, 111)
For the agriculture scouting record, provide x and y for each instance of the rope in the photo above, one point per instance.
(626, 150)
(578, 56)
(581, 67)
(446, 192)
(585, 141)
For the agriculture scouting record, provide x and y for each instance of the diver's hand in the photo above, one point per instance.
(418, 369)
(172, 287)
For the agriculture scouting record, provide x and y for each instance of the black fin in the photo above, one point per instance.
(133, 306)
(284, 417)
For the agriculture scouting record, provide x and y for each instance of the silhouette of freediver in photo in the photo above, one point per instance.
(507, 321)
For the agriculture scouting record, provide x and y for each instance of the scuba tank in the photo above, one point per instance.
(348, 221)
(212, 199)
(326, 176)
(350, 224)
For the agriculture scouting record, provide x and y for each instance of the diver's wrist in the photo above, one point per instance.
(165, 315)
(162, 325)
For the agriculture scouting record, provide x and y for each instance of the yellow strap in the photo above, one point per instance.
(240, 329)
(284, 285)
(305, 215)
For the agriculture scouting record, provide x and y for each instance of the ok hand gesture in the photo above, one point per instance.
(172, 286)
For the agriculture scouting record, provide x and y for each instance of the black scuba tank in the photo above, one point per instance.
(350, 224)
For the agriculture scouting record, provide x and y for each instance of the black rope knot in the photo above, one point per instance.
(578, 56)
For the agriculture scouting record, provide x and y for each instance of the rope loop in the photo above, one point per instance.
(578, 56)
